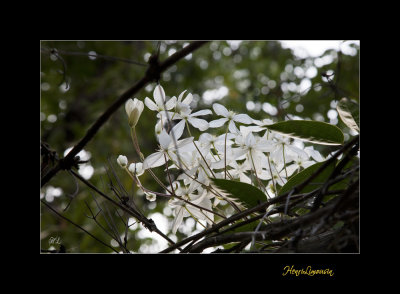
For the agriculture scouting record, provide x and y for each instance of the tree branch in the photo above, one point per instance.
(152, 73)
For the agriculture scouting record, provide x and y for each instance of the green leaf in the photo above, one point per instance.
(299, 178)
(349, 113)
(308, 130)
(247, 194)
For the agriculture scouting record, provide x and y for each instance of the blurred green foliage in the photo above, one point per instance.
(76, 89)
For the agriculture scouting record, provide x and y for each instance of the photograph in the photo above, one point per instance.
(202, 147)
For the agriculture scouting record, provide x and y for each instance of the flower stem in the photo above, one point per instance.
(188, 128)
(195, 145)
(137, 148)
(136, 144)
(284, 161)
(260, 184)
(270, 171)
(226, 135)
(169, 175)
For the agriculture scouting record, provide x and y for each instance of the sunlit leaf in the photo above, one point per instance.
(349, 113)
(245, 193)
(311, 131)
(299, 178)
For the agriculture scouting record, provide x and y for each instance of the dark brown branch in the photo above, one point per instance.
(151, 74)
(274, 231)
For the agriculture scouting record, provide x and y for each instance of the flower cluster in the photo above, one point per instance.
(247, 151)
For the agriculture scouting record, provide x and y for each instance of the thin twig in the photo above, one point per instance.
(146, 222)
(76, 225)
(94, 55)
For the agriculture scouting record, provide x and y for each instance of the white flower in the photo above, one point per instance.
(183, 209)
(134, 109)
(208, 141)
(183, 106)
(183, 113)
(122, 160)
(136, 168)
(229, 116)
(159, 98)
(314, 153)
(150, 196)
(198, 123)
(167, 145)
(283, 150)
(239, 170)
(298, 163)
(253, 147)
(278, 174)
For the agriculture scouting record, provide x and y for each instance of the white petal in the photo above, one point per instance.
(243, 118)
(308, 163)
(159, 95)
(139, 105)
(181, 96)
(250, 140)
(198, 123)
(154, 160)
(184, 142)
(170, 104)
(182, 108)
(150, 104)
(164, 140)
(202, 112)
(188, 99)
(264, 175)
(300, 152)
(177, 130)
(221, 138)
(218, 164)
(253, 128)
(178, 219)
(265, 146)
(217, 123)
(196, 212)
(129, 106)
(291, 169)
(233, 128)
(244, 178)
(205, 138)
(220, 109)
(281, 181)
(239, 152)
(314, 153)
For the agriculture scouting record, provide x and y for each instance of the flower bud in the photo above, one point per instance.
(136, 168)
(134, 109)
(122, 160)
(150, 196)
